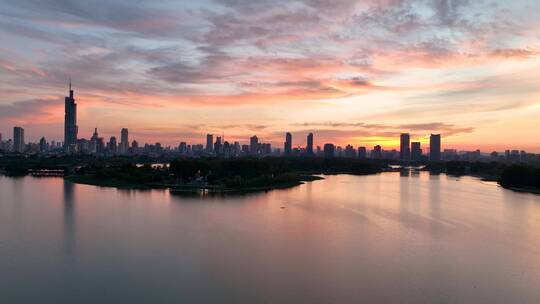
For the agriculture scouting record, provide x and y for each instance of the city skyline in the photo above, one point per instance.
(221, 147)
(358, 73)
(408, 151)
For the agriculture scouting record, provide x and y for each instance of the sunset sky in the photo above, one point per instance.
(352, 72)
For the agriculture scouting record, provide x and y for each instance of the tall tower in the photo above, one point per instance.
(404, 147)
(435, 147)
(416, 151)
(309, 146)
(124, 141)
(70, 121)
(18, 139)
(287, 147)
(209, 143)
(254, 145)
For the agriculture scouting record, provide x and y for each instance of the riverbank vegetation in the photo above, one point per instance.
(523, 177)
(193, 174)
(212, 174)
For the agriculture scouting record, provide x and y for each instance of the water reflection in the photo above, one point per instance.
(434, 198)
(405, 172)
(70, 240)
(382, 238)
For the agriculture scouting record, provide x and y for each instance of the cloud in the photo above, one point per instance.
(31, 112)
(382, 59)
(511, 53)
(367, 129)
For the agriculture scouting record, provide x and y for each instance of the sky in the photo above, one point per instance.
(351, 72)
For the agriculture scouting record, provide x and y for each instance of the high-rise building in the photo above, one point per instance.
(112, 146)
(70, 121)
(329, 150)
(94, 142)
(209, 143)
(18, 139)
(287, 147)
(182, 148)
(124, 141)
(416, 151)
(218, 146)
(253, 145)
(450, 154)
(265, 149)
(350, 152)
(43, 145)
(404, 147)
(362, 152)
(309, 145)
(376, 152)
(435, 147)
(237, 148)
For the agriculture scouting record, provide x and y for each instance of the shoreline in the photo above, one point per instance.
(186, 188)
(220, 189)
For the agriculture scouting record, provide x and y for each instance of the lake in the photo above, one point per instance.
(386, 238)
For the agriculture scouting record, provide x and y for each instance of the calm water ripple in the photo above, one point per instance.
(385, 238)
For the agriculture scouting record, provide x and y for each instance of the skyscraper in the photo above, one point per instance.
(350, 152)
(94, 142)
(329, 150)
(209, 143)
(404, 148)
(218, 146)
(113, 147)
(70, 121)
(287, 147)
(435, 147)
(376, 152)
(309, 145)
(124, 141)
(253, 145)
(182, 148)
(43, 145)
(416, 151)
(18, 139)
(362, 152)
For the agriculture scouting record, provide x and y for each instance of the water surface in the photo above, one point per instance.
(387, 238)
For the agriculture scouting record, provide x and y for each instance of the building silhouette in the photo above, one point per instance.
(43, 145)
(112, 145)
(287, 146)
(18, 139)
(329, 150)
(309, 145)
(218, 146)
(253, 145)
(404, 148)
(124, 141)
(362, 152)
(350, 152)
(376, 152)
(70, 121)
(94, 142)
(416, 151)
(435, 147)
(209, 143)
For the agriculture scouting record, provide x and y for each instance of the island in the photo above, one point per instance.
(220, 175)
(216, 175)
(515, 176)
